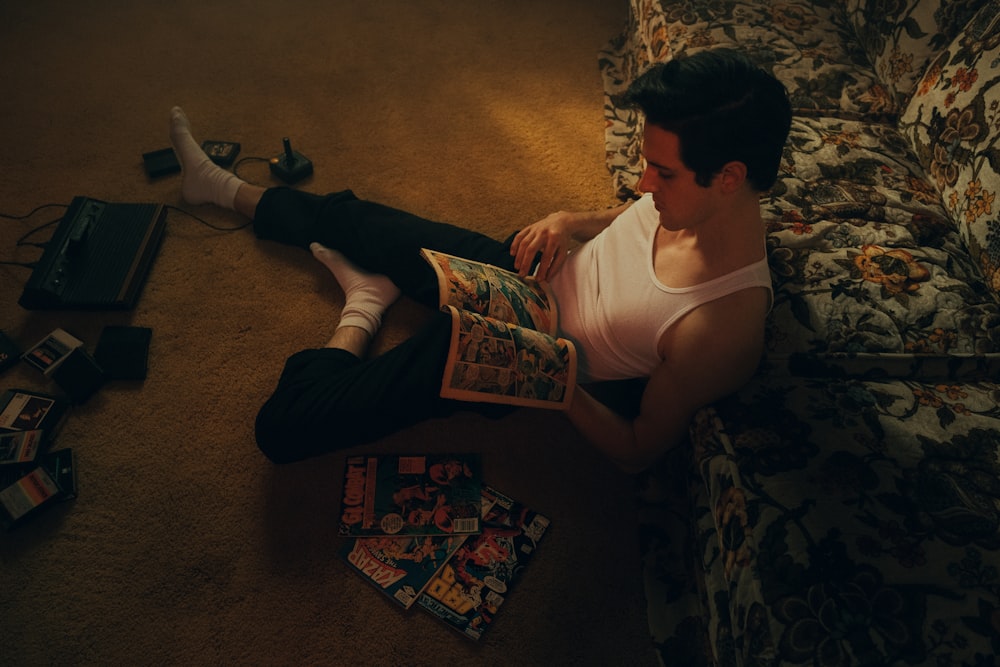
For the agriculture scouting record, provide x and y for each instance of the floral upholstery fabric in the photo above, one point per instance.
(844, 507)
(901, 36)
(811, 47)
(851, 523)
(863, 255)
(953, 121)
(806, 45)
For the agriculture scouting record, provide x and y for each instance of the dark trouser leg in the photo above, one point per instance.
(377, 238)
(328, 399)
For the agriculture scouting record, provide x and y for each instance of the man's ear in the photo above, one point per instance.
(732, 176)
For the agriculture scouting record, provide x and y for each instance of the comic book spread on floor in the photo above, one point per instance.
(411, 495)
(401, 567)
(504, 347)
(461, 580)
(468, 591)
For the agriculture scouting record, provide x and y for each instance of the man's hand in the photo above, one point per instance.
(550, 237)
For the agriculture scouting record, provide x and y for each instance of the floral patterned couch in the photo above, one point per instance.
(844, 507)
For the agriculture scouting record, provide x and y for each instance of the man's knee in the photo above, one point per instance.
(276, 436)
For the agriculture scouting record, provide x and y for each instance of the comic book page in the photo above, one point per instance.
(411, 495)
(494, 292)
(468, 591)
(496, 362)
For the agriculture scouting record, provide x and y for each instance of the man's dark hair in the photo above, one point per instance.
(723, 108)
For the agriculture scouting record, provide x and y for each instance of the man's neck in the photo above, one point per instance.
(717, 247)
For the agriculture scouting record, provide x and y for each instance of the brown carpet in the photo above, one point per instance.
(185, 545)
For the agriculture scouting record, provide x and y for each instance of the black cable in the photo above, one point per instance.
(32, 212)
(247, 159)
(208, 224)
(22, 242)
(236, 166)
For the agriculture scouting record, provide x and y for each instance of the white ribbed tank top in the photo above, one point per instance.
(615, 309)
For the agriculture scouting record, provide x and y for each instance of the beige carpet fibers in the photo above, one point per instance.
(185, 545)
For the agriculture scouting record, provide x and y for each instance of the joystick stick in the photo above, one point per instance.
(291, 166)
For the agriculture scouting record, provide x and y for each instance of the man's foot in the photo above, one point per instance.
(204, 182)
(367, 295)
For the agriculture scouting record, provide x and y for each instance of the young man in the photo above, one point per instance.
(674, 287)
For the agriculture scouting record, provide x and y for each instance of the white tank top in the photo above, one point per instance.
(613, 307)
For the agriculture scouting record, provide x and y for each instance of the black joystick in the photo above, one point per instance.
(291, 166)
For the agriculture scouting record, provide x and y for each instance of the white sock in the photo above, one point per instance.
(204, 181)
(367, 295)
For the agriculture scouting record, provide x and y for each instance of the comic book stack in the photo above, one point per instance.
(427, 532)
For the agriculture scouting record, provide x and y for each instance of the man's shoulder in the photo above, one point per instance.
(712, 351)
(734, 322)
(736, 311)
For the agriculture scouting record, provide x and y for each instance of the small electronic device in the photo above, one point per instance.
(61, 356)
(291, 166)
(98, 258)
(222, 153)
(123, 352)
(10, 353)
(27, 496)
(161, 162)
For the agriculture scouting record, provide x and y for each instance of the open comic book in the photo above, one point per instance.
(504, 347)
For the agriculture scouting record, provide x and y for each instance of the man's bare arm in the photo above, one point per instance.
(709, 354)
(551, 236)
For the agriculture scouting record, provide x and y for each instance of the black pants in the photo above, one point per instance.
(328, 399)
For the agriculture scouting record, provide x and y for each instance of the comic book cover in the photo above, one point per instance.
(503, 344)
(411, 495)
(400, 567)
(468, 591)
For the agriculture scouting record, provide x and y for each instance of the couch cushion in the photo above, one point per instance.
(864, 257)
(900, 37)
(854, 522)
(953, 122)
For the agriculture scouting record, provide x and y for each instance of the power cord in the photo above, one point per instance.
(247, 159)
(207, 223)
(32, 211)
(235, 168)
(23, 240)
(26, 265)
